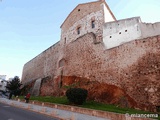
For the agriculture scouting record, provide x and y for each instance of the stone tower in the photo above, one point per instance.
(86, 18)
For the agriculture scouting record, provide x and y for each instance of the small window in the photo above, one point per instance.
(93, 24)
(65, 40)
(78, 30)
(79, 9)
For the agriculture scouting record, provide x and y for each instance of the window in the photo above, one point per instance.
(78, 30)
(65, 40)
(93, 24)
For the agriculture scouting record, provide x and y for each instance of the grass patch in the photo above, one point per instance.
(110, 108)
(58, 100)
(91, 105)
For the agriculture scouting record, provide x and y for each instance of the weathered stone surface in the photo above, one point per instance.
(97, 91)
(100, 92)
(36, 87)
(133, 66)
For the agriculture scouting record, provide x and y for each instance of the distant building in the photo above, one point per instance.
(3, 83)
(3, 77)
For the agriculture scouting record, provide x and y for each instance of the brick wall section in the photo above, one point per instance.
(43, 65)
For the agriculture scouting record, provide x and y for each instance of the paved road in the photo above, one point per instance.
(12, 113)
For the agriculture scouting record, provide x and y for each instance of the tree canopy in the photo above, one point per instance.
(14, 85)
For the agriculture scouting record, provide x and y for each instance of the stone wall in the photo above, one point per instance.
(133, 66)
(85, 27)
(43, 65)
(79, 12)
(37, 87)
(82, 17)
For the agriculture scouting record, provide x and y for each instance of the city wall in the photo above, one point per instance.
(133, 66)
(43, 65)
(127, 57)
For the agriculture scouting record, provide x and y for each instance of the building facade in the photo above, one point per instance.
(3, 82)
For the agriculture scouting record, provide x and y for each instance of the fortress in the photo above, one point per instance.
(94, 45)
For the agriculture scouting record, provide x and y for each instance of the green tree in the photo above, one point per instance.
(14, 86)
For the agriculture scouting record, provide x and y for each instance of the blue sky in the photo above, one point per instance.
(28, 27)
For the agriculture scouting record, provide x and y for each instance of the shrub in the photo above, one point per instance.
(76, 95)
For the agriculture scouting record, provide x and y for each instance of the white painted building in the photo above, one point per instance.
(122, 31)
(3, 77)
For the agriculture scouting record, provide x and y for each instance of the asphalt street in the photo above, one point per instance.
(8, 112)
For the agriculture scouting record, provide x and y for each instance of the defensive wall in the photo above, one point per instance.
(133, 66)
(87, 17)
(124, 53)
(43, 65)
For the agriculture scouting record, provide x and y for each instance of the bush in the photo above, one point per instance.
(76, 95)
